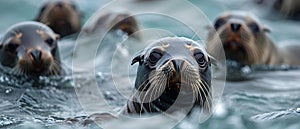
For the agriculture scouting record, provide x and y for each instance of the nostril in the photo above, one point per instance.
(36, 55)
(235, 27)
(177, 65)
(59, 4)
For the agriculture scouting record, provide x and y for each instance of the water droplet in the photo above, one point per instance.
(298, 110)
(246, 70)
(109, 96)
(220, 110)
(7, 91)
(100, 75)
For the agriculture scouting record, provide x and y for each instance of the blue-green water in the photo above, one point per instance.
(269, 99)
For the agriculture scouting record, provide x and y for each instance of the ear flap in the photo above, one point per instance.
(266, 29)
(209, 27)
(212, 60)
(138, 58)
(81, 14)
(1, 42)
(57, 37)
(41, 11)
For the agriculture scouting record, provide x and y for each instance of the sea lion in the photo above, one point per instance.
(173, 73)
(245, 40)
(115, 20)
(62, 16)
(289, 8)
(30, 48)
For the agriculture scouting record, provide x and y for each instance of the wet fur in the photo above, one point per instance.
(155, 92)
(65, 21)
(20, 61)
(259, 48)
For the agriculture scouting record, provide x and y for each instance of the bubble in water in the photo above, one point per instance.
(101, 76)
(122, 50)
(108, 95)
(246, 70)
(298, 110)
(6, 121)
(8, 91)
(238, 71)
(220, 110)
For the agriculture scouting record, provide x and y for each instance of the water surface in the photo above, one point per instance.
(267, 99)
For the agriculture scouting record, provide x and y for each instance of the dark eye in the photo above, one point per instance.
(43, 9)
(219, 23)
(49, 41)
(254, 27)
(73, 6)
(154, 57)
(200, 58)
(12, 47)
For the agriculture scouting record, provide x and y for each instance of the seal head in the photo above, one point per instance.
(115, 20)
(173, 73)
(30, 48)
(289, 8)
(62, 16)
(243, 38)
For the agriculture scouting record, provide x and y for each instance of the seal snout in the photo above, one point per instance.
(60, 4)
(235, 51)
(39, 59)
(235, 27)
(233, 46)
(176, 74)
(36, 55)
(177, 69)
(177, 65)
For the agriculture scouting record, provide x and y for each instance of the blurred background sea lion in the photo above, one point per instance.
(114, 21)
(246, 41)
(63, 16)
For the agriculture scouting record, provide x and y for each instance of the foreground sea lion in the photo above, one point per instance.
(173, 73)
(30, 48)
(62, 16)
(245, 40)
(115, 20)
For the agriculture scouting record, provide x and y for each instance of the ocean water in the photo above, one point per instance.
(266, 97)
